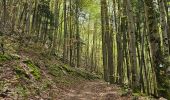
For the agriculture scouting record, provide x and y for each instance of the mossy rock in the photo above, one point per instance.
(87, 75)
(59, 70)
(33, 69)
(55, 70)
(80, 73)
(15, 56)
(67, 68)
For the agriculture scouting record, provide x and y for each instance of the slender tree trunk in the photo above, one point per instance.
(167, 6)
(77, 33)
(65, 32)
(4, 5)
(71, 33)
(164, 27)
(56, 24)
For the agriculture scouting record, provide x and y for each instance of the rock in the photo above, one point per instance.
(161, 98)
(15, 56)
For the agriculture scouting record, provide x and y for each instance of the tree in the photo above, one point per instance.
(65, 32)
(132, 48)
(158, 59)
(77, 32)
(107, 35)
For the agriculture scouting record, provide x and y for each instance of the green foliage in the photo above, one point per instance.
(33, 69)
(91, 7)
(168, 3)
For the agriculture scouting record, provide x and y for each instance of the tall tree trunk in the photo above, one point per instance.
(164, 27)
(155, 42)
(56, 24)
(4, 3)
(77, 33)
(109, 41)
(131, 31)
(65, 32)
(167, 6)
(104, 47)
(71, 33)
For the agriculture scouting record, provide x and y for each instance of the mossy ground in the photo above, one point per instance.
(4, 57)
(34, 70)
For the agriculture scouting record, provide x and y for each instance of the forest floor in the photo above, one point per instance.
(28, 73)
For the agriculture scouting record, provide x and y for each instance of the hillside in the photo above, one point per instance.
(27, 73)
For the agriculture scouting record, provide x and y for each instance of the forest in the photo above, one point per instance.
(55, 45)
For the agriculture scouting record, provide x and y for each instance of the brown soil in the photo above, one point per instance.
(93, 90)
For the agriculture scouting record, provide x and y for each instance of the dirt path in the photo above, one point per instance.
(96, 90)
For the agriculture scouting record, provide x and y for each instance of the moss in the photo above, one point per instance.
(21, 73)
(33, 69)
(80, 73)
(88, 75)
(21, 90)
(139, 94)
(60, 70)
(55, 71)
(5, 57)
(67, 68)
